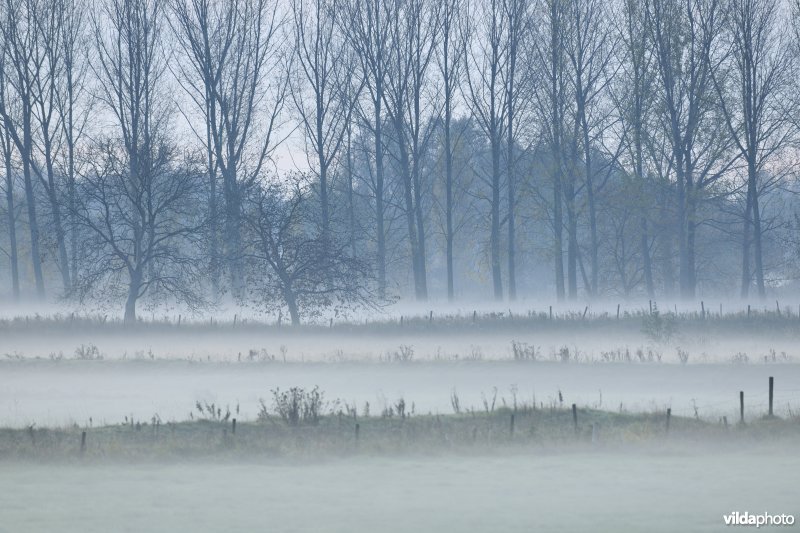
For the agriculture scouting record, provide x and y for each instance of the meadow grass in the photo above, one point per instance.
(541, 430)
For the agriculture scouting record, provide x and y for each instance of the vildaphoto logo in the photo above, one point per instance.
(764, 519)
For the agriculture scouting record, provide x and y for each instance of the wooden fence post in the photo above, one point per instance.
(575, 417)
(771, 390)
(741, 407)
(669, 416)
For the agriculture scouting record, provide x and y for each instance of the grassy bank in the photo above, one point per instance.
(398, 433)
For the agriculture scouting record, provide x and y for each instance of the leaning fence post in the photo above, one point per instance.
(358, 430)
(512, 425)
(617, 311)
(83, 443)
(233, 428)
(551, 312)
(703, 308)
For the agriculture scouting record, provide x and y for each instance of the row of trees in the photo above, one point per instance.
(305, 155)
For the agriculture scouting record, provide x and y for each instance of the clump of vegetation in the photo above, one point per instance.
(261, 355)
(740, 358)
(565, 356)
(403, 354)
(658, 327)
(523, 351)
(211, 411)
(398, 408)
(683, 356)
(455, 401)
(295, 406)
(774, 357)
(88, 352)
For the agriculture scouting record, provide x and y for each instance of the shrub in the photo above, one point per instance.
(296, 406)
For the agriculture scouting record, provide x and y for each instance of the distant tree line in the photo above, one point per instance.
(312, 156)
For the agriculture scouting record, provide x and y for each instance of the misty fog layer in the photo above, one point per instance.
(108, 393)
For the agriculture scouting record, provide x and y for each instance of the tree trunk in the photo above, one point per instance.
(213, 241)
(408, 199)
(134, 285)
(691, 236)
(379, 205)
(587, 157)
(683, 252)
(291, 303)
(648, 264)
(420, 224)
(746, 231)
(759, 264)
(558, 229)
(33, 223)
(12, 220)
(448, 185)
(351, 192)
(494, 243)
(233, 231)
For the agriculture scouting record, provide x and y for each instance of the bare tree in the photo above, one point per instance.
(516, 11)
(684, 35)
(366, 25)
(548, 62)
(752, 82)
(487, 60)
(237, 79)
(293, 268)
(451, 67)
(633, 101)
(411, 109)
(137, 204)
(141, 230)
(48, 82)
(73, 106)
(9, 187)
(321, 92)
(21, 67)
(588, 48)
